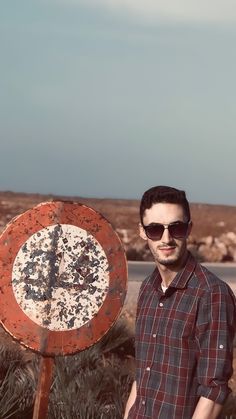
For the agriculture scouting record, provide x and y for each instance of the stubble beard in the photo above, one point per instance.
(172, 261)
(168, 261)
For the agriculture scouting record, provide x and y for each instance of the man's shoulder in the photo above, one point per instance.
(209, 281)
(149, 282)
(151, 278)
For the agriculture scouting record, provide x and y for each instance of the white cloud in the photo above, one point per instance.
(171, 10)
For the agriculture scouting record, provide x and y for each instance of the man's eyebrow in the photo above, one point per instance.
(162, 224)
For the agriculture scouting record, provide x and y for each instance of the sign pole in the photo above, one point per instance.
(63, 276)
(43, 388)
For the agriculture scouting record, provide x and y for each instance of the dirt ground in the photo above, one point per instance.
(124, 213)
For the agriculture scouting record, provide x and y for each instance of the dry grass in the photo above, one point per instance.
(92, 384)
(17, 383)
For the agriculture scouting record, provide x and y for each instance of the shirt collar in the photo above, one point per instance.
(182, 277)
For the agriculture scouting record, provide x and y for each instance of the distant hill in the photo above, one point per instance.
(123, 214)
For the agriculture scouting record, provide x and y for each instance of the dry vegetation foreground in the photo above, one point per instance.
(93, 384)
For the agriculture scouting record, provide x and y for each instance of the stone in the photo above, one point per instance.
(211, 253)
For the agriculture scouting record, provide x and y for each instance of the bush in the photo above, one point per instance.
(17, 383)
(94, 383)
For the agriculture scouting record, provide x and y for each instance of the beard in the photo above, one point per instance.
(167, 261)
(174, 260)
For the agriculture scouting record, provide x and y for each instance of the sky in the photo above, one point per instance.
(106, 98)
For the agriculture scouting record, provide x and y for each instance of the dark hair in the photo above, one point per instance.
(164, 194)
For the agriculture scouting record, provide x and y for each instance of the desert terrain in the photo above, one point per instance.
(213, 238)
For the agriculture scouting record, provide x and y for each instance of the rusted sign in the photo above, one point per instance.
(63, 276)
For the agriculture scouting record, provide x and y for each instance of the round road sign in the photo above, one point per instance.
(63, 276)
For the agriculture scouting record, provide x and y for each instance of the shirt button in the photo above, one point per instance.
(148, 369)
(161, 304)
(154, 335)
(221, 346)
(143, 402)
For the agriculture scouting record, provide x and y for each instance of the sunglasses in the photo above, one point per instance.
(177, 230)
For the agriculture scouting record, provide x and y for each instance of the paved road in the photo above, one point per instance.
(139, 270)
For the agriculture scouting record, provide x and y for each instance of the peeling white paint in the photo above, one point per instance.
(60, 277)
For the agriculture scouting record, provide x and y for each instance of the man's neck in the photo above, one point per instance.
(168, 273)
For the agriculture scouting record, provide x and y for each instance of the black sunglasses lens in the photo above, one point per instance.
(154, 232)
(178, 230)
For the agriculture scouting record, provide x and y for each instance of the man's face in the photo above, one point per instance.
(166, 251)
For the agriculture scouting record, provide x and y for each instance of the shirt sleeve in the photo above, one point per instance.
(215, 331)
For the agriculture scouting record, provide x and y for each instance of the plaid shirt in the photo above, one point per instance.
(184, 343)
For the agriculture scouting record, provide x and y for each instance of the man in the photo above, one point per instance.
(185, 322)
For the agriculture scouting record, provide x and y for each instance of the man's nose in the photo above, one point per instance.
(166, 237)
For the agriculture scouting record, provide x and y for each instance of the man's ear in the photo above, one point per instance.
(190, 226)
(142, 233)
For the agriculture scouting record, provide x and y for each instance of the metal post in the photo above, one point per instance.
(43, 388)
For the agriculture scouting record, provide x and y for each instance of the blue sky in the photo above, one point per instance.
(107, 98)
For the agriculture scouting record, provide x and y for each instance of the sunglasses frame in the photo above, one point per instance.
(166, 226)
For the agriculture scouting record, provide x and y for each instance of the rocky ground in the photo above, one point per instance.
(213, 237)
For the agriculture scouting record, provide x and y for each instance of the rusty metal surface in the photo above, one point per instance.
(63, 277)
(43, 388)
